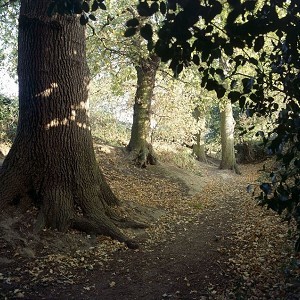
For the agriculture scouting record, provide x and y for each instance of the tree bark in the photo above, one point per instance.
(52, 161)
(199, 146)
(139, 145)
(227, 139)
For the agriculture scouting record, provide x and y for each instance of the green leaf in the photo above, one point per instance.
(95, 5)
(150, 45)
(132, 22)
(196, 60)
(228, 49)
(234, 96)
(84, 19)
(211, 85)
(85, 6)
(92, 17)
(163, 8)
(144, 10)
(102, 6)
(162, 50)
(247, 84)
(146, 32)
(130, 32)
(259, 43)
(242, 102)
(178, 70)
(220, 91)
(154, 7)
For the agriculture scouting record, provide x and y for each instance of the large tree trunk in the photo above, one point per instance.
(199, 146)
(139, 146)
(52, 161)
(227, 139)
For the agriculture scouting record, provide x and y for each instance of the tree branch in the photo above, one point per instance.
(7, 3)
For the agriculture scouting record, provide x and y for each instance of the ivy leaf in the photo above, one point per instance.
(154, 7)
(178, 70)
(85, 7)
(102, 6)
(242, 102)
(84, 19)
(259, 43)
(220, 91)
(144, 10)
(147, 32)
(95, 5)
(163, 8)
(196, 60)
(234, 96)
(132, 22)
(92, 17)
(228, 49)
(130, 31)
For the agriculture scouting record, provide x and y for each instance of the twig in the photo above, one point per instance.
(7, 3)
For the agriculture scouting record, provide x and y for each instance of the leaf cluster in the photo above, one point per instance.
(79, 7)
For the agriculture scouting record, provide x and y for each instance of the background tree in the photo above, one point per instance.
(247, 25)
(139, 143)
(124, 52)
(228, 160)
(199, 146)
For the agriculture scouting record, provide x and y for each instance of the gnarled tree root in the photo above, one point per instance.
(143, 155)
(104, 226)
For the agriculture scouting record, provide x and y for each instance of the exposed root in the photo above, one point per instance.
(57, 203)
(103, 226)
(126, 221)
(143, 156)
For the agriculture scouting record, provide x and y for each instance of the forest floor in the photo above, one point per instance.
(207, 239)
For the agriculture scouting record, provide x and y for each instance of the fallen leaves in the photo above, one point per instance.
(260, 262)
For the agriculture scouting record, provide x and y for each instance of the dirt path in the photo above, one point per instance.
(187, 265)
(207, 240)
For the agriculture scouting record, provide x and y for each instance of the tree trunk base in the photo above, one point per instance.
(143, 156)
(234, 167)
(86, 207)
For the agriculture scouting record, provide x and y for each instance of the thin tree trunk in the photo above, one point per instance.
(52, 161)
(139, 144)
(227, 139)
(199, 146)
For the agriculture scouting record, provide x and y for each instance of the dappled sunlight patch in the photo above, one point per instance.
(176, 154)
(49, 91)
(66, 122)
(82, 106)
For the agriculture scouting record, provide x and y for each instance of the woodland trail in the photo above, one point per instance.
(207, 240)
(187, 265)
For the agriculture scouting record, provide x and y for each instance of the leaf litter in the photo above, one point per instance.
(253, 254)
